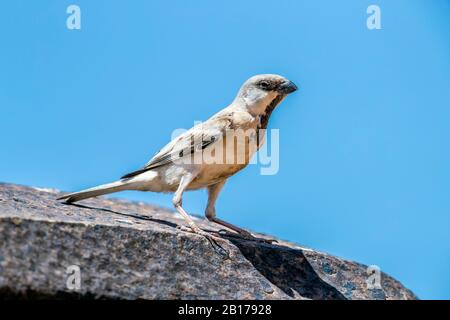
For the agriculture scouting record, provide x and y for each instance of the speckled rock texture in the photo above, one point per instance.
(127, 250)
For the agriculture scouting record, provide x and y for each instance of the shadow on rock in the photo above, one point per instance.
(129, 215)
(288, 269)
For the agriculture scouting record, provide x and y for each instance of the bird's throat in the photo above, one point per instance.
(269, 109)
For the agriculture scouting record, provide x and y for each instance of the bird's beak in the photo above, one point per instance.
(287, 87)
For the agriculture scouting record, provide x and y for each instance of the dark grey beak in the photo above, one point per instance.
(287, 87)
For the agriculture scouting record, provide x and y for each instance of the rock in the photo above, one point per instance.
(129, 250)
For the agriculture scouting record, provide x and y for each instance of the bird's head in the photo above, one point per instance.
(261, 91)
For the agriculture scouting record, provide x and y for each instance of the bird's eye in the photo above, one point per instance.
(264, 84)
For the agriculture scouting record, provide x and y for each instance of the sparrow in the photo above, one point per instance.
(206, 155)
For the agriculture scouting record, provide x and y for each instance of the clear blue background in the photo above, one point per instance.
(365, 143)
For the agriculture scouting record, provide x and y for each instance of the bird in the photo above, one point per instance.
(185, 163)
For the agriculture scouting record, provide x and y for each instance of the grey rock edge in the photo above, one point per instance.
(128, 250)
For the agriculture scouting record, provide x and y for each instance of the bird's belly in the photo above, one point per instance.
(234, 157)
(213, 173)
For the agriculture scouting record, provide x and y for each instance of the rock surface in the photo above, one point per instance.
(127, 250)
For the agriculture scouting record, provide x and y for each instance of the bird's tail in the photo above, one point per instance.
(115, 186)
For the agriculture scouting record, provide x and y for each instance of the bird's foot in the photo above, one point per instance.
(246, 236)
(213, 240)
(184, 228)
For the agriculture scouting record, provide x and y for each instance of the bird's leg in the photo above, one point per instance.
(177, 202)
(213, 193)
(239, 230)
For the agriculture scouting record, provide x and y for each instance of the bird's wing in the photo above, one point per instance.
(195, 139)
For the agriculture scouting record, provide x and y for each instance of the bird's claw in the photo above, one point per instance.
(213, 240)
(184, 228)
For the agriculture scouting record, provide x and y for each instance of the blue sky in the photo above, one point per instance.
(364, 144)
